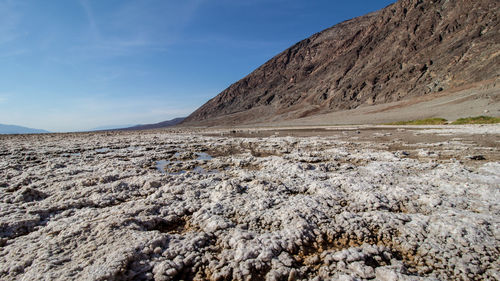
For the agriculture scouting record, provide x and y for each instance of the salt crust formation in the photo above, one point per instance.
(95, 207)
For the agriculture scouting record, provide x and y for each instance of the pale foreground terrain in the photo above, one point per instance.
(352, 203)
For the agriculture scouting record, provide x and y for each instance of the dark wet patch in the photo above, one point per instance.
(250, 167)
(262, 153)
(177, 225)
(109, 178)
(344, 241)
(477, 157)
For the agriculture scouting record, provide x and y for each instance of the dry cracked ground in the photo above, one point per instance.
(347, 204)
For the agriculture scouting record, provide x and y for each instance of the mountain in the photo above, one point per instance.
(410, 49)
(159, 125)
(111, 127)
(13, 129)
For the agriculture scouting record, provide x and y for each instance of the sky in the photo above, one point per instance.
(69, 65)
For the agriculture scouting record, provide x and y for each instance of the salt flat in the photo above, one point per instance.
(405, 203)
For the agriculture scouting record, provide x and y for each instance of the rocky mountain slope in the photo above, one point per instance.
(409, 49)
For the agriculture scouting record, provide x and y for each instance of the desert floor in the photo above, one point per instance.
(290, 203)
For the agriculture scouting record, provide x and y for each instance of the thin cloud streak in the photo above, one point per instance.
(13, 53)
(136, 35)
(91, 19)
(9, 22)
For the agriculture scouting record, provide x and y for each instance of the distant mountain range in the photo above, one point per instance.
(13, 129)
(408, 50)
(163, 124)
(159, 125)
(111, 127)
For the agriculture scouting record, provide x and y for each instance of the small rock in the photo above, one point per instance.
(155, 184)
(362, 270)
(158, 250)
(477, 157)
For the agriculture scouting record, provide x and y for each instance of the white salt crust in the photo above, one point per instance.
(95, 207)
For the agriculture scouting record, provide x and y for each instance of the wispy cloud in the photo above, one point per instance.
(13, 53)
(135, 26)
(9, 21)
(149, 106)
(107, 77)
(5, 97)
(89, 13)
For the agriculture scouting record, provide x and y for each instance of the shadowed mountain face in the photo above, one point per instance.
(408, 49)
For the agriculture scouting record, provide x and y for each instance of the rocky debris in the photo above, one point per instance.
(276, 208)
(409, 49)
(477, 157)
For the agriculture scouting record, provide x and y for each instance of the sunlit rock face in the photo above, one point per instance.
(351, 205)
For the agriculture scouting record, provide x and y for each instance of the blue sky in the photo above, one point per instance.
(70, 65)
